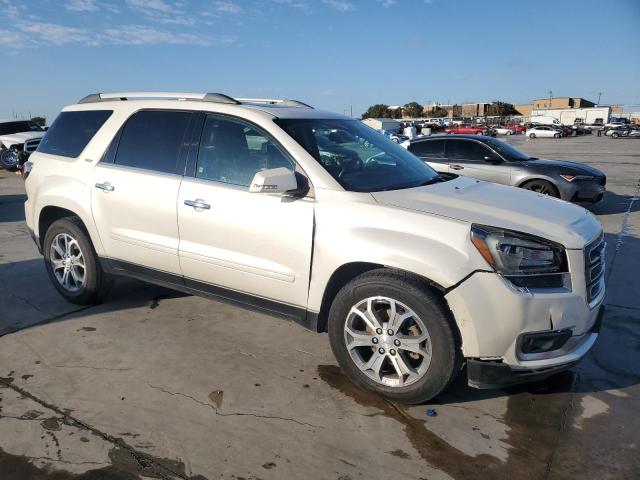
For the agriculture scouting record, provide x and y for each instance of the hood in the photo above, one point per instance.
(18, 138)
(566, 166)
(486, 203)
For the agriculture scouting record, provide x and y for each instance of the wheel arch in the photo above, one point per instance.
(347, 272)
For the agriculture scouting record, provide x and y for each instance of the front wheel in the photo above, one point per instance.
(542, 186)
(556, 135)
(391, 335)
(9, 159)
(615, 135)
(532, 135)
(72, 263)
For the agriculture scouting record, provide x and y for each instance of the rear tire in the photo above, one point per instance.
(380, 360)
(72, 264)
(542, 186)
(532, 135)
(9, 159)
(556, 135)
(615, 135)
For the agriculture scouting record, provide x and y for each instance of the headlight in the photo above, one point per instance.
(570, 178)
(526, 260)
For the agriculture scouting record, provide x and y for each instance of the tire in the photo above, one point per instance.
(556, 135)
(431, 374)
(71, 238)
(9, 159)
(532, 135)
(615, 135)
(542, 186)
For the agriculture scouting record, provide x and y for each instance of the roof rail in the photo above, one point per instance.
(205, 97)
(270, 101)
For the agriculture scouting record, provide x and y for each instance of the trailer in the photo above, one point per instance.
(577, 116)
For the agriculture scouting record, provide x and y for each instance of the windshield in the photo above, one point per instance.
(358, 157)
(7, 128)
(507, 151)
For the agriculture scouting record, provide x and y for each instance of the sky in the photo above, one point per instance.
(339, 55)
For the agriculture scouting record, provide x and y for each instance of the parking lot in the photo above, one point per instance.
(158, 384)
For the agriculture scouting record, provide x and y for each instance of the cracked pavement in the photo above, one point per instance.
(157, 384)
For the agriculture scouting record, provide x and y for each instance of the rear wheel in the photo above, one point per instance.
(542, 186)
(72, 263)
(532, 135)
(391, 335)
(556, 135)
(615, 135)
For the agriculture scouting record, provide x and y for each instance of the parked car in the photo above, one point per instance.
(395, 137)
(625, 132)
(18, 139)
(610, 131)
(615, 124)
(414, 272)
(517, 128)
(467, 129)
(502, 130)
(490, 159)
(543, 131)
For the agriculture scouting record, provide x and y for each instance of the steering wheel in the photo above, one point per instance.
(372, 158)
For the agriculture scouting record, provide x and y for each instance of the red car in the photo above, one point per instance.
(516, 128)
(467, 129)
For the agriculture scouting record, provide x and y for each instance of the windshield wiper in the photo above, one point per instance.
(438, 178)
(533, 158)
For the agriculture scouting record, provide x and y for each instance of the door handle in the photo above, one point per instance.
(197, 204)
(106, 186)
(457, 167)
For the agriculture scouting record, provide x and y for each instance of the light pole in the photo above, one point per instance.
(550, 97)
(599, 95)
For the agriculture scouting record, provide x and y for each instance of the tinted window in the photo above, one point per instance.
(466, 150)
(432, 149)
(152, 140)
(7, 128)
(358, 157)
(233, 152)
(72, 131)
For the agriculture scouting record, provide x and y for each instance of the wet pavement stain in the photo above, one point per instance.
(51, 424)
(399, 453)
(31, 415)
(269, 465)
(533, 429)
(86, 329)
(216, 398)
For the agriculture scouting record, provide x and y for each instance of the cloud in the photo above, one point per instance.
(299, 4)
(161, 11)
(145, 35)
(10, 38)
(9, 9)
(340, 5)
(50, 33)
(82, 6)
(228, 7)
(388, 3)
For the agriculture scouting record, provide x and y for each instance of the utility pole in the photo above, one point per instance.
(550, 97)
(351, 107)
(599, 95)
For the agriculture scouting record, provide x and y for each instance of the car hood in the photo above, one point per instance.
(15, 138)
(512, 208)
(564, 166)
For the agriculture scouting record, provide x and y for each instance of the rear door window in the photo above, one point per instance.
(152, 140)
(467, 150)
(72, 131)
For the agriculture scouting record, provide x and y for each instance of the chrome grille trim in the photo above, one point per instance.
(31, 145)
(594, 263)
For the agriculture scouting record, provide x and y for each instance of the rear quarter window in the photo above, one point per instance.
(72, 131)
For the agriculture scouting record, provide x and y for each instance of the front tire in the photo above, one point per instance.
(556, 135)
(542, 186)
(391, 334)
(532, 135)
(9, 159)
(615, 135)
(72, 264)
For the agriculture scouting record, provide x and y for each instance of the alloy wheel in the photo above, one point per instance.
(67, 262)
(388, 341)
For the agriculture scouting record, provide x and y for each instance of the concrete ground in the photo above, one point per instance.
(156, 384)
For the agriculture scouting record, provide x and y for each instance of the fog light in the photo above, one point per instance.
(544, 341)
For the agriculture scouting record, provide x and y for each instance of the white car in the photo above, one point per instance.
(614, 124)
(543, 131)
(409, 271)
(18, 139)
(502, 130)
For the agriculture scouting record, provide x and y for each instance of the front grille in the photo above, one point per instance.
(594, 268)
(31, 145)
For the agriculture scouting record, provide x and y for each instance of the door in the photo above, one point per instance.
(135, 190)
(474, 159)
(249, 244)
(432, 153)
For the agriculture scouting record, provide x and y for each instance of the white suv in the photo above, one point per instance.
(317, 218)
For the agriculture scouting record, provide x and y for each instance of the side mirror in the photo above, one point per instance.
(275, 180)
(492, 159)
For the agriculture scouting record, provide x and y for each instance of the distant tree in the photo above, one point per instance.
(438, 112)
(501, 109)
(413, 110)
(41, 121)
(397, 113)
(379, 110)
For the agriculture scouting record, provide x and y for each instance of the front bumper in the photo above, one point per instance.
(496, 374)
(587, 191)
